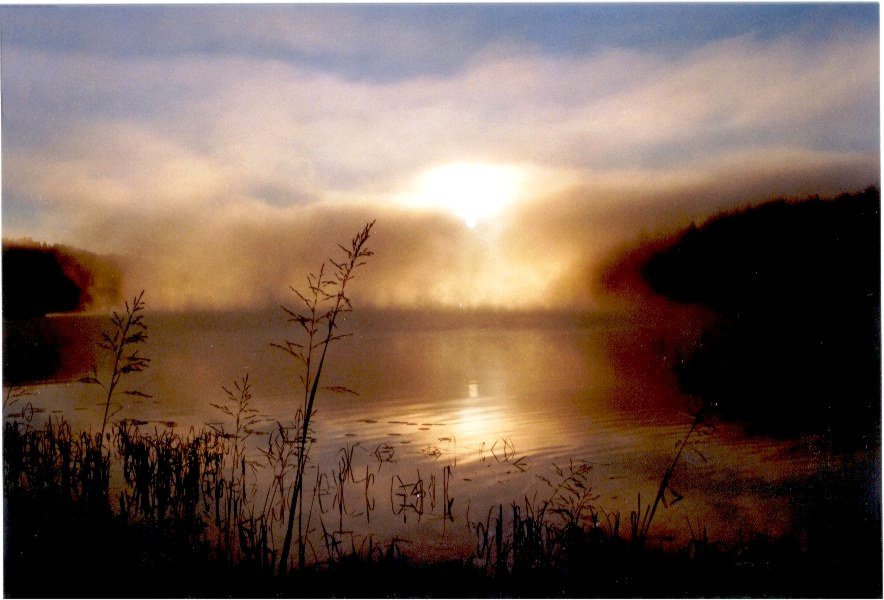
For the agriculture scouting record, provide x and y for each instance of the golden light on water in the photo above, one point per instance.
(482, 426)
(477, 421)
(477, 424)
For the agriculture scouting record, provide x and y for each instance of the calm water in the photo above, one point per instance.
(471, 410)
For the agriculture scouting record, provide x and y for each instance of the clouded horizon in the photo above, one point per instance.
(223, 151)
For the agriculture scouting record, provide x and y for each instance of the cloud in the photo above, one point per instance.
(222, 179)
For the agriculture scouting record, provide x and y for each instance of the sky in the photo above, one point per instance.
(220, 153)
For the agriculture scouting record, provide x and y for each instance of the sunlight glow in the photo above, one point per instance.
(475, 192)
(478, 423)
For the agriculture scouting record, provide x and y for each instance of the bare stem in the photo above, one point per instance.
(318, 287)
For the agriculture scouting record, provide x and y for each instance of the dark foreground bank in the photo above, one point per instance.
(70, 553)
(167, 534)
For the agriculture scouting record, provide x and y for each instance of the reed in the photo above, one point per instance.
(169, 477)
(52, 461)
(642, 521)
(245, 419)
(121, 342)
(555, 543)
(321, 304)
(14, 395)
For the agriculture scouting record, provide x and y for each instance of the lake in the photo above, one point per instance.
(457, 414)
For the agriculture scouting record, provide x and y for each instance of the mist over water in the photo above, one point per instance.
(486, 403)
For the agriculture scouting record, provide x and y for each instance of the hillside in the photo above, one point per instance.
(796, 286)
(40, 279)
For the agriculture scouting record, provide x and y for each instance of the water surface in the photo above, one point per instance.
(456, 416)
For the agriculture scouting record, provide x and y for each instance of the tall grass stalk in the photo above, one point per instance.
(238, 407)
(664, 486)
(127, 332)
(14, 393)
(323, 302)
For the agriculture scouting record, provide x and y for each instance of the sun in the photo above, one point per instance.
(475, 192)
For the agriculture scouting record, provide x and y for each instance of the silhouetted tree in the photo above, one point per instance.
(797, 286)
